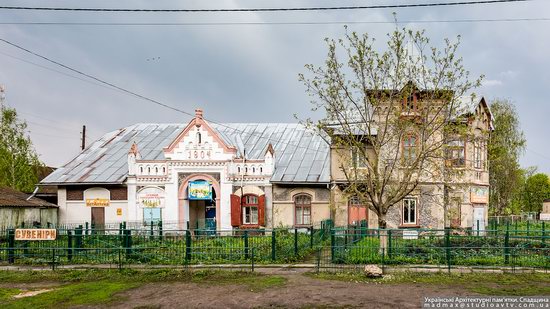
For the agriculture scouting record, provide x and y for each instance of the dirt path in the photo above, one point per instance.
(299, 292)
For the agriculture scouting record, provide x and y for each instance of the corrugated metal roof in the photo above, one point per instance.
(300, 155)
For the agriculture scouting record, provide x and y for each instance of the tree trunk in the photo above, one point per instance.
(383, 233)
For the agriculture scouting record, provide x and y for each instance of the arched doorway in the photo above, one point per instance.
(199, 214)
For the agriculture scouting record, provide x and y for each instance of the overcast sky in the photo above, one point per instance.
(241, 73)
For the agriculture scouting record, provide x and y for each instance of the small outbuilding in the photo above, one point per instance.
(17, 209)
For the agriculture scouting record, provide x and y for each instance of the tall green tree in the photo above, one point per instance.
(537, 189)
(506, 145)
(371, 98)
(19, 162)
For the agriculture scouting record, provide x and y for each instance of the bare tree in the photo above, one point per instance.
(392, 116)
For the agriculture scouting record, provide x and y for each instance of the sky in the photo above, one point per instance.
(242, 72)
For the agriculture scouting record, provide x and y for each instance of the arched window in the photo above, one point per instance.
(148, 170)
(238, 169)
(302, 207)
(250, 209)
(164, 170)
(246, 169)
(141, 169)
(253, 170)
(261, 170)
(156, 170)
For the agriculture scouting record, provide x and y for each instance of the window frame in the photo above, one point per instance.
(408, 149)
(451, 150)
(409, 223)
(246, 204)
(302, 207)
(356, 160)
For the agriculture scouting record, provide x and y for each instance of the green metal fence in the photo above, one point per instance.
(163, 247)
(352, 247)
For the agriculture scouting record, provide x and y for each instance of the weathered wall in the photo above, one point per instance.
(14, 216)
(283, 204)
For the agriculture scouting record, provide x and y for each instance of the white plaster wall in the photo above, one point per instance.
(225, 205)
(62, 202)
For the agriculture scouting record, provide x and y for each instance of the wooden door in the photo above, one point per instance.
(98, 217)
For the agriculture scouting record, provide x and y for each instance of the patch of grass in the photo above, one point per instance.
(498, 284)
(6, 294)
(72, 294)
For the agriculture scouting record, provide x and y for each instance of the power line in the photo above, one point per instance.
(313, 23)
(333, 8)
(142, 96)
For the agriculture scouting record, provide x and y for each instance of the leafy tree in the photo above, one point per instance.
(506, 145)
(19, 162)
(537, 189)
(376, 101)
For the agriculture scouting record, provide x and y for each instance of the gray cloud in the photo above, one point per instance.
(242, 73)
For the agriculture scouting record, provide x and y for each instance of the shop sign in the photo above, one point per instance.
(200, 190)
(479, 195)
(97, 202)
(151, 197)
(35, 234)
(410, 234)
(119, 211)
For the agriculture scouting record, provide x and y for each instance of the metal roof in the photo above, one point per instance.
(13, 198)
(301, 156)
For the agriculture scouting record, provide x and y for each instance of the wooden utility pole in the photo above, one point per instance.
(83, 137)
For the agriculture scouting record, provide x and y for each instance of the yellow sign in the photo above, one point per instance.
(97, 202)
(35, 234)
(119, 211)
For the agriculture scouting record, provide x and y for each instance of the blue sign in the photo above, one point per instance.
(200, 190)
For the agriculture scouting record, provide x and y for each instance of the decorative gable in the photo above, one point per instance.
(198, 141)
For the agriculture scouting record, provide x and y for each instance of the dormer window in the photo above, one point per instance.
(410, 103)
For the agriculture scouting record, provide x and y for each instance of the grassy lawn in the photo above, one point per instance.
(92, 287)
(523, 284)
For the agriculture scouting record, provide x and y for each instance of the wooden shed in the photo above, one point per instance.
(21, 209)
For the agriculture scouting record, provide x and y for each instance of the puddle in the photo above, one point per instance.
(31, 293)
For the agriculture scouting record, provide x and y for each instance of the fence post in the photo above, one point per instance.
(389, 244)
(128, 242)
(448, 248)
(507, 246)
(311, 237)
(245, 245)
(543, 233)
(187, 246)
(252, 260)
(273, 245)
(78, 236)
(477, 229)
(152, 232)
(11, 246)
(69, 245)
(53, 258)
(160, 230)
(528, 228)
(295, 242)
(332, 245)
(86, 228)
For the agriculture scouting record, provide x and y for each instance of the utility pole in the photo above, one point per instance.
(83, 137)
